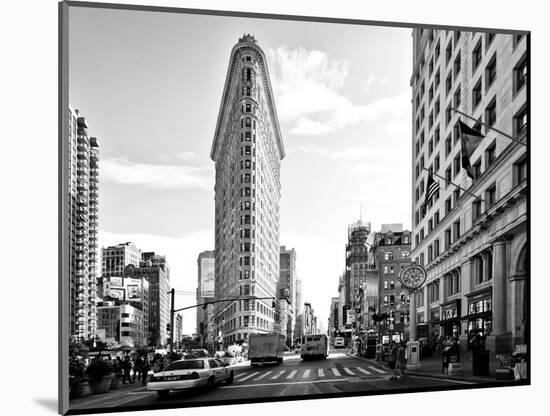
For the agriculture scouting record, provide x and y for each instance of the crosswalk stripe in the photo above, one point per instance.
(262, 376)
(292, 374)
(320, 372)
(347, 370)
(277, 375)
(377, 370)
(306, 373)
(363, 370)
(336, 372)
(239, 375)
(249, 376)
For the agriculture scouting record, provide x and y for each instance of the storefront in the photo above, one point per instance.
(479, 317)
(450, 319)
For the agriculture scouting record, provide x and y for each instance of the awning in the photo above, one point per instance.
(478, 315)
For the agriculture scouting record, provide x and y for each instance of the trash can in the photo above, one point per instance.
(480, 362)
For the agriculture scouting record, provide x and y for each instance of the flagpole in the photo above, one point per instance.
(454, 184)
(489, 127)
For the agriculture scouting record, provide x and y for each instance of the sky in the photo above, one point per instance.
(150, 86)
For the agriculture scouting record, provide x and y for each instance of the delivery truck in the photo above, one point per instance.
(265, 348)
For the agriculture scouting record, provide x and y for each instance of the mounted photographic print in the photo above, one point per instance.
(262, 208)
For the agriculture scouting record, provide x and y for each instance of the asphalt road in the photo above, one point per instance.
(339, 373)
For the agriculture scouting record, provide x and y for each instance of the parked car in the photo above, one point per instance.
(190, 373)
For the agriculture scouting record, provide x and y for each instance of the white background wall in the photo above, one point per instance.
(29, 200)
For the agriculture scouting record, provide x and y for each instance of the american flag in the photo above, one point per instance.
(431, 188)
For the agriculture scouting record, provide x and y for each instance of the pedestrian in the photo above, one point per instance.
(144, 370)
(378, 351)
(126, 368)
(393, 355)
(401, 362)
(138, 362)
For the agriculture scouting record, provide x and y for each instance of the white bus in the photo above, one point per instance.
(314, 346)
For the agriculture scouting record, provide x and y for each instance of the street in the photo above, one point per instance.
(339, 373)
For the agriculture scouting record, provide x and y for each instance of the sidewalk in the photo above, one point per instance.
(432, 367)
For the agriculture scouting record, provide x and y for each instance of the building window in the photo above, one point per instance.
(520, 74)
(520, 123)
(491, 72)
(392, 284)
(449, 83)
(386, 284)
(447, 176)
(448, 145)
(436, 164)
(476, 209)
(490, 195)
(520, 171)
(476, 94)
(491, 112)
(456, 97)
(405, 254)
(477, 169)
(388, 255)
(456, 165)
(437, 107)
(437, 79)
(489, 39)
(448, 53)
(437, 50)
(517, 39)
(457, 64)
(436, 218)
(448, 205)
(456, 196)
(447, 238)
(448, 115)
(436, 248)
(490, 155)
(476, 56)
(456, 230)
(386, 300)
(430, 254)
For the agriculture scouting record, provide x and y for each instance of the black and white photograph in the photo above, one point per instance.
(259, 208)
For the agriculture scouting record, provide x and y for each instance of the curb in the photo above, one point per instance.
(436, 375)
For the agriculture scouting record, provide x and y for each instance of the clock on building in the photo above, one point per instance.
(413, 277)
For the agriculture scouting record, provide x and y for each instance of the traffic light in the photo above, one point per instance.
(168, 327)
(273, 304)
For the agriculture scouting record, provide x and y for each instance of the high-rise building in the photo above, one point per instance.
(472, 244)
(158, 276)
(205, 292)
(247, 150)
(82, 226)
(287, 293)
(178, 330)
(393, 255)
(115, 258)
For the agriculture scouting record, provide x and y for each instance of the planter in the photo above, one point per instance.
(102, 386)
(78, 389)
(115, 382)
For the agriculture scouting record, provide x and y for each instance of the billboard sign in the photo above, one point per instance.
(117, 294)
(134, 292)
(116, 282)
(207, 277)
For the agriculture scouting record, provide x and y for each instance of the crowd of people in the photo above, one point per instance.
(138, 368)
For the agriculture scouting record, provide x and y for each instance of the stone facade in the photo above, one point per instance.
(473, 244)
(247, 150)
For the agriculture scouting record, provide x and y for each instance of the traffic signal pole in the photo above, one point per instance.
(172, 295)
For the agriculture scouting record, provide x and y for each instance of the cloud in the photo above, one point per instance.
(308, 87)
(351, 153)
(369, 82)
(181, 254)
(156, 176)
